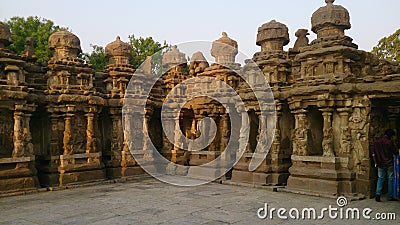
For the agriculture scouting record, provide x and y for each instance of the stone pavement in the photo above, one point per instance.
(149, 201)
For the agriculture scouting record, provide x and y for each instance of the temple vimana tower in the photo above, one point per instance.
(61, 123)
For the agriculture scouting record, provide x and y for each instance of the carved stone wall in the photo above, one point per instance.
(332, 100)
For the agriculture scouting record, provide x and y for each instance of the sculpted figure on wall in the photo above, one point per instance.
(327, 142)
(359, 122)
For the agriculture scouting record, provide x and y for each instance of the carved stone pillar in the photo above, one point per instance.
(90, 138)
(19, 150)
(200, 128)
(262, 144)
(177, 139)
(178, 144)
(345, 133)
(277, 131)
(244, 133)
(300, 133)
(148, 151)
(273, 119)
(127, 130)
(327, 141)
(28, 136)
(214, 144)
(67, 145)
(55, 144)
(129, 138)
(116, 140)
(225, 129)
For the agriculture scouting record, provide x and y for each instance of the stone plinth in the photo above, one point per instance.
(198, 158)
(265, 174)
(17, 174)
(80, 167)
(321, 175)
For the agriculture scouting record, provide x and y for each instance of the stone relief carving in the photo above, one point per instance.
(327, 142)
(6, 136)
(345, 142)
(300, 138)
(359, 122)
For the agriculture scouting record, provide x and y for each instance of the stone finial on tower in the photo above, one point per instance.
(5, 35)
(29, 48)
(65, 45)
(330, 20)
(272, 36)
(118, 52)
(302, 39)
(224, 50)
(198, 63)
(173, 57)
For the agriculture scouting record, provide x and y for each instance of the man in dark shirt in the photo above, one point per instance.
(383, 151)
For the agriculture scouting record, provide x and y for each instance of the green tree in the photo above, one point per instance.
(389, 47)
(97, 57)
(143, 47)
(38, 28)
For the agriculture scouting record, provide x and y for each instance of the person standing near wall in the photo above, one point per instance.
(396, 182)
(384, 150)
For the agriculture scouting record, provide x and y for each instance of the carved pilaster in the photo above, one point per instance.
(116, 136)
(225, 129)
(90, 138)
(262, 144)
(200, 128)
(19, 150)
(276, 142)
(244, 132)
(345, 133)
(54, 135)
(28, 136)
(327, 141)
(67, 145)
(148, 151)
(300, 133)
(214, 144)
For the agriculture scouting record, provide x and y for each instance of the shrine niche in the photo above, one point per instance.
(6, 131)
(17, 158)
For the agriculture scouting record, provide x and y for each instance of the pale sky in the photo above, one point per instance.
(99, 22)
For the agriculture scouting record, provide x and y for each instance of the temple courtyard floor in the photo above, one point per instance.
(149, 201)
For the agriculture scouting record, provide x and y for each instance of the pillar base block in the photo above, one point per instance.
(321, 175)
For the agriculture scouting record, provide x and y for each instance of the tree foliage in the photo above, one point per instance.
(38, 28)
(389, 47)
(97, 57)
(143, 47)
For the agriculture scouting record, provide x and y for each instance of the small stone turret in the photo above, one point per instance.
(272, 36)
(118, 52)
(330, 20)
(65, 45)
(224, 50)
(198, 63)
(173, 58)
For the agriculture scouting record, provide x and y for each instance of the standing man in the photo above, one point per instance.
(384, 149)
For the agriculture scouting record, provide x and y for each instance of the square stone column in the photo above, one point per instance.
(18, 172)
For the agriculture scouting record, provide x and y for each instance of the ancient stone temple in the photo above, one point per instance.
(63, 123)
